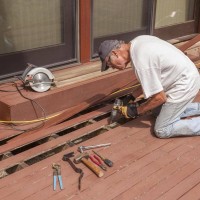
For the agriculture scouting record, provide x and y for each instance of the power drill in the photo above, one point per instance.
(116, 112)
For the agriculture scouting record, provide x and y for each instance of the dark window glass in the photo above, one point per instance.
(37, 32)
(117, 19)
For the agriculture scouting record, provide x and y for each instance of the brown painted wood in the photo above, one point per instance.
(144, 167)
(190, 43)
(194, 193)
(85, 27)
(102, 138)
(51, 144)
(29, 137)
(183, 187)
(16, 107)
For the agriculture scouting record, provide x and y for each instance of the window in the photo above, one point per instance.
(117, 19)
(44, 32)
(173, 12)
(38, 32)
(175, 18)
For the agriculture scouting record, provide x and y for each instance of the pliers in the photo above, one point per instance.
(95, 159)
(57, 173)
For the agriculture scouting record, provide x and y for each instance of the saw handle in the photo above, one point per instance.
(93, 167)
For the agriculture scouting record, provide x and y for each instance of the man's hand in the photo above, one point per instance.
(129, 111)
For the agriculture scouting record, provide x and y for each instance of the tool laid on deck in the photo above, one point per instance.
(84, 148)
(57, 174)
(39, 79)
(119, 104)
(83, 157)
(95, 159)
(106, 160)
(67, 157)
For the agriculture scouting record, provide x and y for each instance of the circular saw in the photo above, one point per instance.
(39, 79)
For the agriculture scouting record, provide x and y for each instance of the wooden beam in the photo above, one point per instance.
(59, 99)
(85, 27)
(190, 43)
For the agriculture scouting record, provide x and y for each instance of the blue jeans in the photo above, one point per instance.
(171, 123)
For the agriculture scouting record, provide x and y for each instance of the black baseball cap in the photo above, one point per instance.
(104, 49)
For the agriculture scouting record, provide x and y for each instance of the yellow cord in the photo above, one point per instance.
(47, 118)
(125, 89)
(30, 121)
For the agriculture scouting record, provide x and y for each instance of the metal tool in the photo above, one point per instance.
(39, 79)
(95, 159)
(116, 110)
(67, 157)
(106, 160)
(57, 174)
(84, 148)
(83, 157)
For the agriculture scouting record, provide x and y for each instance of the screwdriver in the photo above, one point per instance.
(105, 160)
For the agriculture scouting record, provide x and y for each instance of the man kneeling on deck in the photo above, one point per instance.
(169, 80)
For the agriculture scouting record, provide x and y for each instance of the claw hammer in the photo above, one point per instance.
(83, 158)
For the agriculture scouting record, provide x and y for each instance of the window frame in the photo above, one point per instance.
(128, 35)
(178, 30)
(63, 53)
(166, 33)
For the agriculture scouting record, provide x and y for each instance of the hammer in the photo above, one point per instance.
(83, 157)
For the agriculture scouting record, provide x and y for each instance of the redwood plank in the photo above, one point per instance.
(190, 43)
(193, 194)
(27, 138)
(93, 177)
(172, 180)
(90, 91)
(165, 184)
(145, 167)
(119, 136)
(49, 145)
(47, 162)
(85, 25)
(181, 188)
(7, 132)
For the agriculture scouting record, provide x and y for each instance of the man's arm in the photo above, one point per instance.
(155, 101)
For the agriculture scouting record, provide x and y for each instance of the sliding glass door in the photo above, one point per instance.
(39, 32)
(176, 18)
(118, 19)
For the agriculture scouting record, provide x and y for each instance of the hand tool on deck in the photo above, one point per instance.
(116, 112)
(67, 157)
(84, 148)
(83, 157)
(57, 174)
(95, 159)
(106, 160)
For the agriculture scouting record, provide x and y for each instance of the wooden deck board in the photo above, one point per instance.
(86, 170)
(43, 133)
(145, 167)
(194, 193)
(49, 145)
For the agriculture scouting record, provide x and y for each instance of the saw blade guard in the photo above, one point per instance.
(39, 79)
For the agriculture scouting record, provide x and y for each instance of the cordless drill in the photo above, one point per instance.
(116, 110)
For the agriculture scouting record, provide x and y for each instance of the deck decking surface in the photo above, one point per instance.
(145, 167)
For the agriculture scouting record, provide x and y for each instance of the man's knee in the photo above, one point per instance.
(161, 133)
